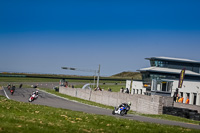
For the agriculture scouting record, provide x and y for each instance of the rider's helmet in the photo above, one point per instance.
(36, 92)
(129, 103)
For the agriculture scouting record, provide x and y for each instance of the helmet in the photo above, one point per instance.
(36, 92)
(129, 103)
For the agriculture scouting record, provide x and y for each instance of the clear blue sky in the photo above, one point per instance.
(42, 36)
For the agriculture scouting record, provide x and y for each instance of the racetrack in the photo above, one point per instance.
(47, 99)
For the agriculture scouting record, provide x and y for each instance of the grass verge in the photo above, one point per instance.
(25, 117)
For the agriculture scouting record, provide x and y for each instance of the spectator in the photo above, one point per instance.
(109, 89)
(100, 89)
(187, 100)
(180, 100)
(95, 89)
(9, 86)
(177, 97)
(174, 96)
(122, 90)
(66, 84)
(127, 90)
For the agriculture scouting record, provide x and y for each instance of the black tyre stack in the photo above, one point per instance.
(182, 112)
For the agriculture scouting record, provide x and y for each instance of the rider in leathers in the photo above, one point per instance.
(126, 105)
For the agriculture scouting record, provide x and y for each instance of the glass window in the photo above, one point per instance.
(152, 63)
(196, 69)
(156, 63)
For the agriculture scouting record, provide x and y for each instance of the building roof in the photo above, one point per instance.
(168, 70)
(174, 59)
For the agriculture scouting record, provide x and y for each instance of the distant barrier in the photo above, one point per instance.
(3, 75)
(188, 106)
(182, 112)
(140, 103)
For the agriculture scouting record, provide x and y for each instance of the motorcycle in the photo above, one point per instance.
(120, 111)
(11, 91)
(32, 98)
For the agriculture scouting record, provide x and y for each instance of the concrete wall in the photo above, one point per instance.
(140, 103)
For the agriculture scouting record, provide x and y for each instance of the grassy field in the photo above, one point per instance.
(25, 117)
(108, 84)
(29, 79)
(114, 88)
(25, 79)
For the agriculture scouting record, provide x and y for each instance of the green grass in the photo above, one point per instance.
(115, 88)
(173, 118)
(30, 79)
(25, 117)
(25, 79)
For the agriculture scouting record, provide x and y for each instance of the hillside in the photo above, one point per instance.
(119, 76)
(134, 75)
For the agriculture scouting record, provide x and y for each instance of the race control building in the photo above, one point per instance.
(162, 78)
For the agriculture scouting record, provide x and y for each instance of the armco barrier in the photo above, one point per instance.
(140, 103)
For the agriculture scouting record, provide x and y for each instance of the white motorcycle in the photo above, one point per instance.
(32, 98)
(120, 111)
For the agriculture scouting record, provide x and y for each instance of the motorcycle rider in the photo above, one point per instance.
(126, 105)
(12, 89)
(33, 94)
(9, 86)
(36, 94)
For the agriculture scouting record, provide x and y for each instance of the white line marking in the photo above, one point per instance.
(5, 93)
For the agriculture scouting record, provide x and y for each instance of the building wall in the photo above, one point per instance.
(140, 103)
(191, 87)
(137, 87)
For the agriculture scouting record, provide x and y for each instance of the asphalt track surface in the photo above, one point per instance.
(47, 99)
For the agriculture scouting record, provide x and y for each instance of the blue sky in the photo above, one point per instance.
(42, 36)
